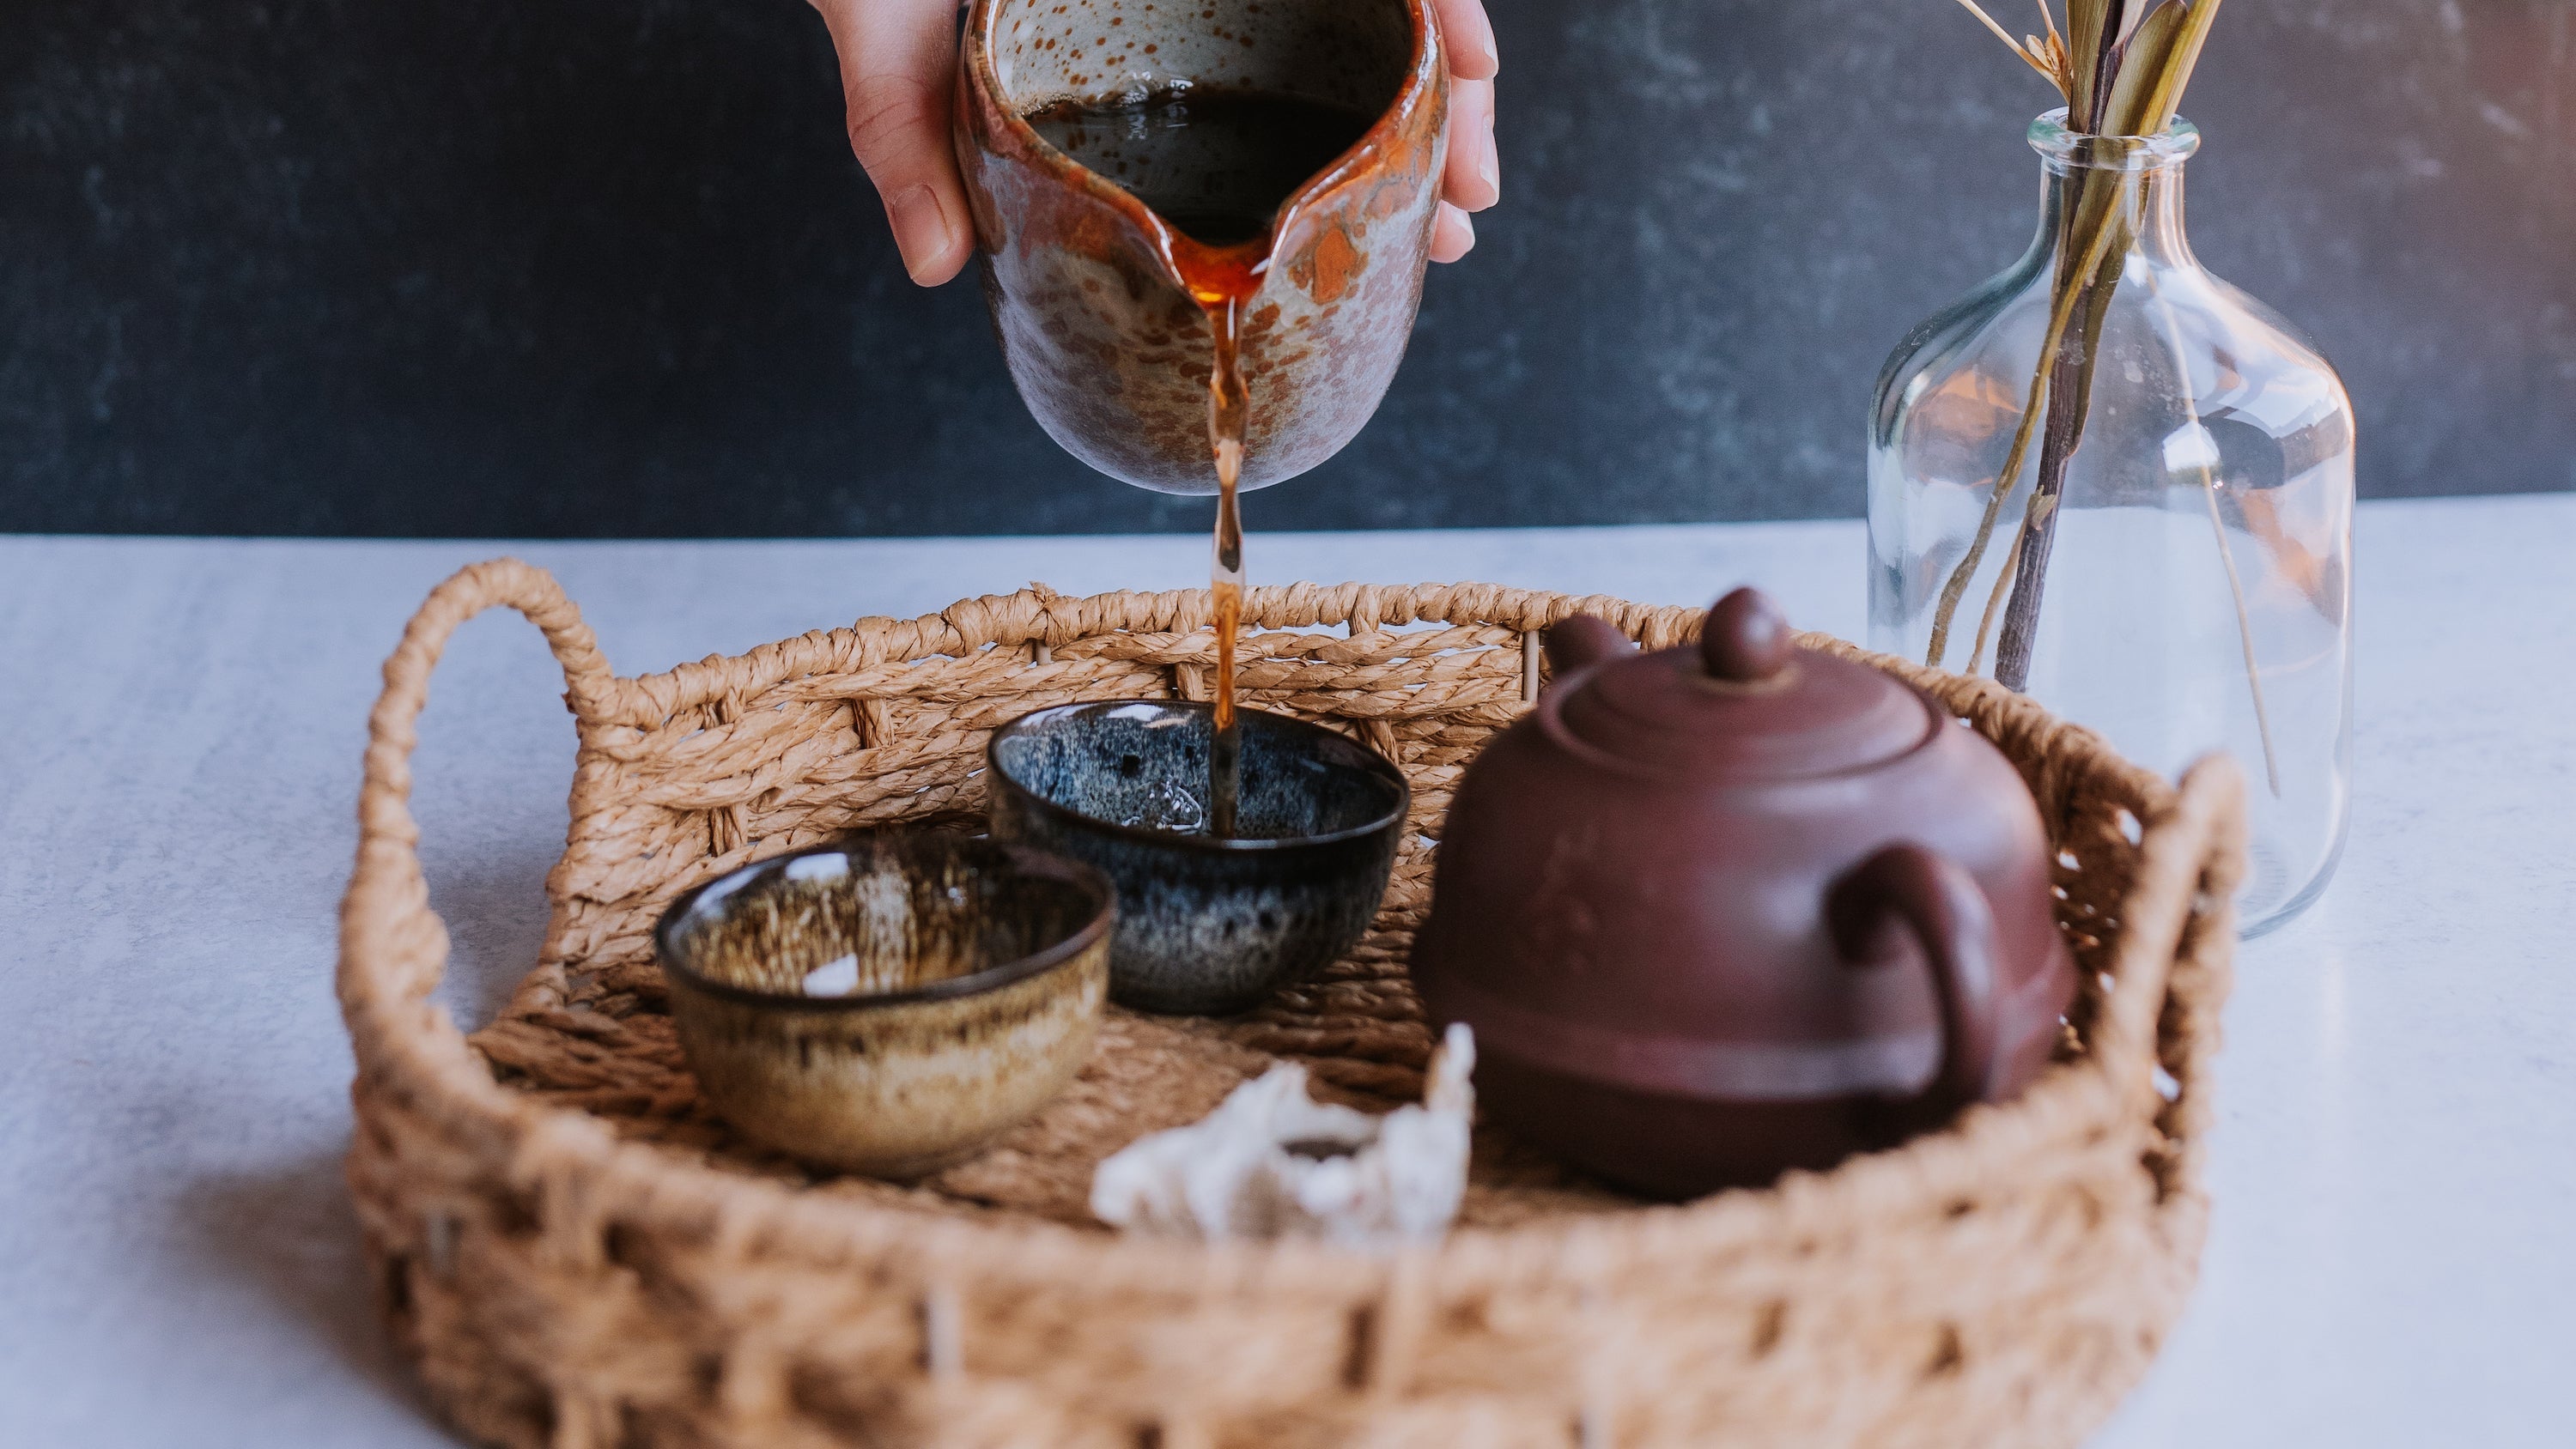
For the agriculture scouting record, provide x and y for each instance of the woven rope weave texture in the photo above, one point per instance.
(577, 1255)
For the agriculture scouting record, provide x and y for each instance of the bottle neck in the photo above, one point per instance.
(2133, 182)
(2146, 206)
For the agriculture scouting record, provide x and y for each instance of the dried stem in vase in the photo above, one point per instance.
(2122, 66)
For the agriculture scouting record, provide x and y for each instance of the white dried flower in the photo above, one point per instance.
(1271, 1161)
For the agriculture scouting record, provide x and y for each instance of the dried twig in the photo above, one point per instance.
(2029, 51)
(2163, 38)
(2122, 66)
(2218, 531)
(2060, 313)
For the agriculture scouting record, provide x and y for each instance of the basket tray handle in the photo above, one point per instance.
(2185, 883)
(392, 946)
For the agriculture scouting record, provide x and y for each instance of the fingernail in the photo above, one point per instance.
(920, 228)
(1486, 170)
(1466, 228)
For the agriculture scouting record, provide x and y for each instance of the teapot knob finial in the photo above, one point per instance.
(1582, 639)
(1745, 639)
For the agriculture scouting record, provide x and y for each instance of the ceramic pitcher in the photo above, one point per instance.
(1107, 345)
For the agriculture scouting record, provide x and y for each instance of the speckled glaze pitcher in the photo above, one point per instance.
(1102, 334)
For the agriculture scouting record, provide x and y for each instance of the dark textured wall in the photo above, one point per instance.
(606, 267)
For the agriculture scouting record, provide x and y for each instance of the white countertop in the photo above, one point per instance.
(180, 728)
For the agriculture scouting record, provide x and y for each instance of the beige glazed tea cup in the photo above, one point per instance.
(891, 1003)
(1099, 300)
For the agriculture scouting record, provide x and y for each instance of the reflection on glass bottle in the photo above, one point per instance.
(2191, 585)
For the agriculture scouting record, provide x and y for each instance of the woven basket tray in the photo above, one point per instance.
(576, 1254)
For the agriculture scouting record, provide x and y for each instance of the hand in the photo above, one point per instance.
(899, 57)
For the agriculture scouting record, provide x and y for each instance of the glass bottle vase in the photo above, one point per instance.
(2167, 557)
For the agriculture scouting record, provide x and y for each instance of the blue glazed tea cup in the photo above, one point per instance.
(1207, 926)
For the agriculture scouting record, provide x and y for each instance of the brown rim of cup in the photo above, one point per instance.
(1025, 860)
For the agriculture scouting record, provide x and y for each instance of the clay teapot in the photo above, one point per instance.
(1723, 910)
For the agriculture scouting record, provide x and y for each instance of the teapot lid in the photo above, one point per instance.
(1742, 706)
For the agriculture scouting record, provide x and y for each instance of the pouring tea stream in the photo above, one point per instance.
(1255, 185)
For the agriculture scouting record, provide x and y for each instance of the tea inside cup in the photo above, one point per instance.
(889, 1003)
(1206, 924)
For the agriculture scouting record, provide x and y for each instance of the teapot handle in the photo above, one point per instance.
(1942, 905)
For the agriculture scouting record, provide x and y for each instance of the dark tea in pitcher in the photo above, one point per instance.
(1214, 162)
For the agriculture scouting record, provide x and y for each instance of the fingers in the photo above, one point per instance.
(1452, 234)
(897, 60)
(1473, 180)
(1471, 39)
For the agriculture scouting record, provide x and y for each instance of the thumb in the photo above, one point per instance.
(897, 64)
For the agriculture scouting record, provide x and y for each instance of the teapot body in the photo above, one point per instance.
(1659, 990)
